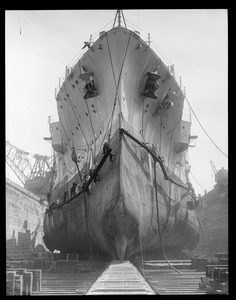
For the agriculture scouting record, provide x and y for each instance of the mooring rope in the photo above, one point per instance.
(158, 221)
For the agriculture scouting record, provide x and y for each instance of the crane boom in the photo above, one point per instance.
(213, 167)
(35, 178)
(18, 161)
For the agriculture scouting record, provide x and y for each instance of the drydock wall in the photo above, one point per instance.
(213, 214)
(24, 222)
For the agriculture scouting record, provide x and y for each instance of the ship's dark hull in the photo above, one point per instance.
(119, 216)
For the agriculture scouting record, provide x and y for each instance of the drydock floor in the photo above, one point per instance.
(125, 279)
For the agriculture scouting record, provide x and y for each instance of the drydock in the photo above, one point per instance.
(102, 219)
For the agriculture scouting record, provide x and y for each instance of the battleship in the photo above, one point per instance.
(120, 176)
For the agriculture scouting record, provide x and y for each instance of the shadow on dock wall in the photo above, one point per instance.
(213, 215)
(26, 246)
(24, 223)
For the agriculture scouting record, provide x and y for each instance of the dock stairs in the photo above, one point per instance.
(184, 280)
(115, 278)
(58, 284)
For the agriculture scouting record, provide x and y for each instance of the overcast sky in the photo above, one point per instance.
(40, 44)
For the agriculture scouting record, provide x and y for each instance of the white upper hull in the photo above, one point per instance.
(119, 61)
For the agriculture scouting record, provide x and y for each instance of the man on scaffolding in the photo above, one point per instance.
(106, 147)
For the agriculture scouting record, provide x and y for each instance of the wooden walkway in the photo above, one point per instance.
(121, 279)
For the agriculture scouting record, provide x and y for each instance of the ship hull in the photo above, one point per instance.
(119, 216)
(131, 208)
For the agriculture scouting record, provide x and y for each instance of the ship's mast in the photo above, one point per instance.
(119, 15)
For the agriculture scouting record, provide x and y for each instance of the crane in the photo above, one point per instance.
(18, 161)
(221, 176)
(36, 178)
(213, 167)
